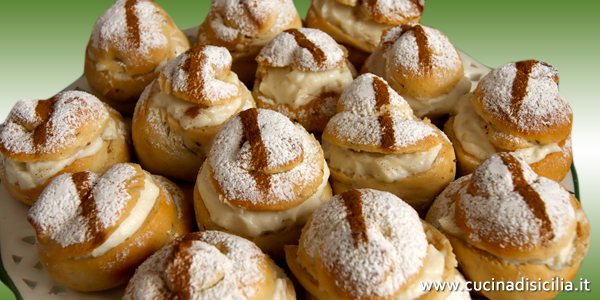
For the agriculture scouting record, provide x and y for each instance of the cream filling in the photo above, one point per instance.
(432, 272)
(384, 167)
(211, 116)
(281, 284)
(295, 88)
(253, 223)
(31, 174)
(442, 104)
(468, 128)
(558, 262)
(134, 221)
(351, 21)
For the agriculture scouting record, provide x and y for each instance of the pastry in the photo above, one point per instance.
(516, 108)
(369, 244)
(420, 63)
(131, 42)
(358, 24)
(179, 114)
(301, 74)
(506, 222)
(209, 265)
(375, 141)
(244, 27)
(263, 178)
(93, 231)
(70, 132)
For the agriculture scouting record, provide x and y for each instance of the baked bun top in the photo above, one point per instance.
(260, 160)
(373, 117)
(204, 265)
(510, 211)
(421, 59)
(77, 212)
(522, 98)
(235, 22)
(134, 36)
(391, 12)
(52, 129)
(369, 242)
(200, 75)
(307, 49)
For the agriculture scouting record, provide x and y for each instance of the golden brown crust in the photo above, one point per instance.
(554, 166)
(112, 152)
(116, 266)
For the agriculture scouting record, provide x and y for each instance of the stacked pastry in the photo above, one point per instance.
(369, 244)
(516, 108)
(505, 221)
(301, 74)
(70, 132)
(131, 42)
(263, 178)
(358, 24)
(210, 265)
(93, 231)
(179, 114)
(244, 27)
(421, 64)
(375, 141)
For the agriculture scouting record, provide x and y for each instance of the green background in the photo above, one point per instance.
(43, 43)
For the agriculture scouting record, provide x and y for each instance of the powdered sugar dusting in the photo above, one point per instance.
(57, 212)
(502, 215)
(404, 49)
(111, 28)
(214, 254)
(214, 63)
(230, 19)
(111, 193)
(541, 107)
(71, 111)
(284, 50)
(396, 248)
(283, 142)
(441, 206)
(395, 10)
(360, 99)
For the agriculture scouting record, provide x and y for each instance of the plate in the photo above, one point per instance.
(20, 268)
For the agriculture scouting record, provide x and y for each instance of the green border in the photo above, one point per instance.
(575, 181)
(7, 280)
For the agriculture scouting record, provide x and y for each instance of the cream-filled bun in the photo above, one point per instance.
(93, 231)
(210, 265)
(369, 244)
(130, 43)
(70, 132)
(244, 27)
(504, 221)
(263, 178)
(358, 24)
(375, 141)
(179, 114)
(301, 74)
(420, 63)
(516, 108)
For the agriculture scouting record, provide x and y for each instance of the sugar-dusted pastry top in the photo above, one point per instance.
(56, 127)
(204, 265)
(261, 160)
(419, 49)
(200, 75)
(371, 240)
(77, 212)
(523, 97)
(508, 206)
(307, 49)
(373, 117)
(389, 11)
(236, 20)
